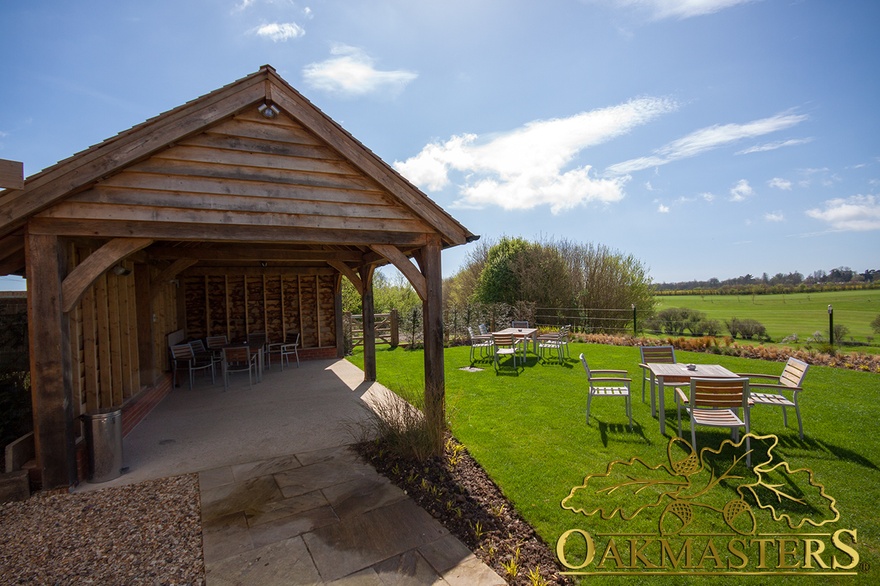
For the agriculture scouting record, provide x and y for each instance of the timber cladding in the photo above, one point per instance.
(244, 173)
(106, 371)
(236, 305)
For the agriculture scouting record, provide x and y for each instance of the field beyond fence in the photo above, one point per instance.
(796, 316)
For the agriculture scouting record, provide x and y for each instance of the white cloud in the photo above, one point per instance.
(710, 197)
(663, 209)
(280, 31)
(857, 213)
(772, 146)
(774, 217)
(681, 8)
(780, 183)
(707, 139)
(351, 73)
(741, 191)
(528, 167)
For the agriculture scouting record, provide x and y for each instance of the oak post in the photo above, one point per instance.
(369, 312)
(337, 301)
(435, 380)
(51, 385)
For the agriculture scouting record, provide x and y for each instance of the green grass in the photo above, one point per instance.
(797, 313)
(529, 433)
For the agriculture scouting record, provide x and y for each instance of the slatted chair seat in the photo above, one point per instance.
(717, 402)
(790, 381)
(601, 386)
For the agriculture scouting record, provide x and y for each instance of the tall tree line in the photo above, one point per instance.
(551, 274)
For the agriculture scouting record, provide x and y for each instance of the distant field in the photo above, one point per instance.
(797, 313)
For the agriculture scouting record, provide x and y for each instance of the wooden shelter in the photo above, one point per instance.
(234, 213)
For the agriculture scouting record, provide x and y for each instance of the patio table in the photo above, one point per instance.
(680, 372)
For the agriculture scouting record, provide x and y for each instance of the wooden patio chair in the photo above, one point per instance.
(554, 342)
(182, 355)
(557, 341)
(599, 387)
(285, 349)
(239, 359)
(519, 324)
(203, 352)
(715, 402)
(504, 345)
(260, 340)
(289, 349)
(483, 342)
(658, 355)
(215, 343)
(790, 380)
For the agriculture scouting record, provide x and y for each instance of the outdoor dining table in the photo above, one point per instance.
(523, 333)
(680, 373)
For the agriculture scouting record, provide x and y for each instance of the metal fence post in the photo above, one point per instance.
(831, 324)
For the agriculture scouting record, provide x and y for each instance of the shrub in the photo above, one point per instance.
(875, 324)
(398, 423)
(747, 329)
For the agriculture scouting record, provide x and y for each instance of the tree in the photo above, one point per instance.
(498, 281)
(461, 288)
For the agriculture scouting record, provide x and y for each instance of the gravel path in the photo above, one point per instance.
(147, 533)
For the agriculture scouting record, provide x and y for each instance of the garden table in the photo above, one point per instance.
(678, 373)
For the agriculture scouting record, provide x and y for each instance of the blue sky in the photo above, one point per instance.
(708, 138)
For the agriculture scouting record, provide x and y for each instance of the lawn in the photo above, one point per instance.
(796, 313)
(529, 433)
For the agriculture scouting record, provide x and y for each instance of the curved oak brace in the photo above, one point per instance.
(349, 273)
(80, 278)
(403, 264)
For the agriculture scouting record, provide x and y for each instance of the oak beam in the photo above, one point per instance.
(50, 363)
(350, 273)
(403, 264)
(95, 265)
(232, 252)
(252, 234)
